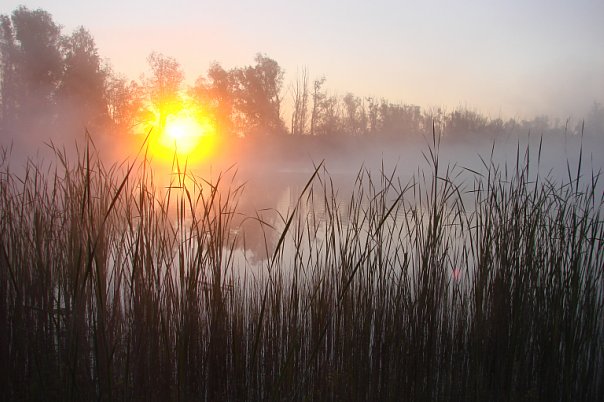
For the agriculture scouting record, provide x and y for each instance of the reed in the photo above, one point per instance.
(116, 287)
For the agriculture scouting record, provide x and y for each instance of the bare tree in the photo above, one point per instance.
(300, 99)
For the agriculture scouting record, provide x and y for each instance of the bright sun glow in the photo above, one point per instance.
(182, 133)
(186, 133)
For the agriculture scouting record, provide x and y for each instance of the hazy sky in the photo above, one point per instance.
(513, 58)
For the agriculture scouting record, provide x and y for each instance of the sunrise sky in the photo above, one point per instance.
(513, 58)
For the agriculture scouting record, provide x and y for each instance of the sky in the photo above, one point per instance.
(514, 58)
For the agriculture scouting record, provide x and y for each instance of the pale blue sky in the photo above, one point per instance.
(513, 58)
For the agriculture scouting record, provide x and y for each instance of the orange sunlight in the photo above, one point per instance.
(187, 133)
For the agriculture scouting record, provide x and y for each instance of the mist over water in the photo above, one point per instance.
(272, 166)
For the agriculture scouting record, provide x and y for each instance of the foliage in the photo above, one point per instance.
(164, 85)
(31, 66)
(82, 90)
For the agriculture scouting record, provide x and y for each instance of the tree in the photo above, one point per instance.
(329, 120)
(433, 118)
(300, 107)
(258, 98)
(318, 99)
(397, 119)
(594, 122)
(355, 118)
(124, 103)
(32, 65)
(216, 95)
(82, 90)
(464, 122)
(163, 87)
(372, 115)
(8, 72)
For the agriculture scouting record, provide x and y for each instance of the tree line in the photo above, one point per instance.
(52, 79)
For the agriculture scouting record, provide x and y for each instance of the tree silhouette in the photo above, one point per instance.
(216, 95)
(355, 118)
(124, 103)
(31, 65)
(329, 117)
(82, 90)
(8, 73)
(318, 98)
(300, 99)
(47, 79)
(399, 120)
(258, 96)
(164, 85)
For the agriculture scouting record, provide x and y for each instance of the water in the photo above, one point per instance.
(273, 191)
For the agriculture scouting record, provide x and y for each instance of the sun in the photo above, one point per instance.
(185, 132)
(182, 133)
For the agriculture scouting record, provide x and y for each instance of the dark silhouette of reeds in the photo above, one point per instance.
(115, 288)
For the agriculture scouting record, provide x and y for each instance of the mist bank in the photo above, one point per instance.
(555, 152)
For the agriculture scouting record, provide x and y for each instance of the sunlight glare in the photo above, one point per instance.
(187, 133)
(182, 133)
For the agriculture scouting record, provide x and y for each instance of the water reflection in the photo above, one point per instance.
(269, 187)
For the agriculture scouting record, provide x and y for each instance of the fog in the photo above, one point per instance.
(552, 152)
(59, 97)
